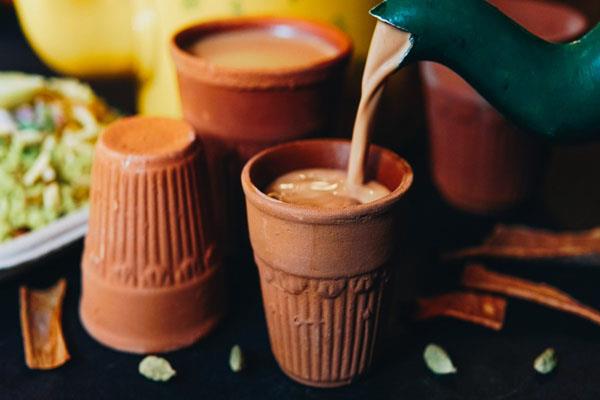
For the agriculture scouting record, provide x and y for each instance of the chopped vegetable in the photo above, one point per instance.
(48, 128)
(17, 88)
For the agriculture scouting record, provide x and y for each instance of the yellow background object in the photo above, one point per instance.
(92, 38)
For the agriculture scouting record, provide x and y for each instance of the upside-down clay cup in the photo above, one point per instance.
(238, 112)
(324, 273)
(480, 162)
(151, 274)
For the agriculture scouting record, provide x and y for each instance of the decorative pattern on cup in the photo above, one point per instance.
(148, 223)
(323, 332)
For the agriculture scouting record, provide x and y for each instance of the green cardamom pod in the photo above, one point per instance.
(437, 360)
(546, 362)
(156, 369)
(236, 359)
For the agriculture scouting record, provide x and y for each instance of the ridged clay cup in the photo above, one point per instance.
(151, 273)
(324, 273)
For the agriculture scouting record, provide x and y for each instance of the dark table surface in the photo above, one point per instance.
(492, 365)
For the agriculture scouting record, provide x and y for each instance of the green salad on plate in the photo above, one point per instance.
(48, 128)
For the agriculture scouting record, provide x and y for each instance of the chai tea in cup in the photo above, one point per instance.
(325, 257)
(321, 217)
(324, 188)
(269, 48)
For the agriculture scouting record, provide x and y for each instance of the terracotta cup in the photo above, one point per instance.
(480, 162)
(324, 273)
(151, 274)
(239, 112)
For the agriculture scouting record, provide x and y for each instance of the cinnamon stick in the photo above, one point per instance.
(480, 278)
(481, 309)
(41, 312)
(529, 243)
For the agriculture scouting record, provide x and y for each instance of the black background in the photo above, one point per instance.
(492, 365)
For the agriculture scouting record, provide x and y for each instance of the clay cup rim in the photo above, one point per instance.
(171, 141)
(384, 166)
(207, 72)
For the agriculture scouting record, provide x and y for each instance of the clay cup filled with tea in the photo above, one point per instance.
(249, 83)
(323, 250)
(480, 162)
(152, 279)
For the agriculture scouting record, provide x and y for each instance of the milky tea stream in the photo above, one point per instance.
(331, 188)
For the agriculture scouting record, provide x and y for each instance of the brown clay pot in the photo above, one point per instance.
(324, 274)
(480, 162)
(151, 275)
(240, 112)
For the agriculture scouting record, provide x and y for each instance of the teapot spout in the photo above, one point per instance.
(552, 90)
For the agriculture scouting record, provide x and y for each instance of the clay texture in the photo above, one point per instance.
(151, 273)
(323, 331)
(240, 112)
(325, 273)
(481, 163)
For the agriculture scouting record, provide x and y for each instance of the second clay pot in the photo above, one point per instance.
(238, 111)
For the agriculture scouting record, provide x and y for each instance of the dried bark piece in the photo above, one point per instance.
(481, 309)
(529, 243)
(41, 313)
(480, 278)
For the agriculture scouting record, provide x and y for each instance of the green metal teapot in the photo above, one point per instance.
(552, 90)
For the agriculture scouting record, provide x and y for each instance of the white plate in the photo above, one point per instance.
(40, 243)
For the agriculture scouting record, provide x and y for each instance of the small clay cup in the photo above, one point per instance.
(238, 112)
(324, 273)
(480, 162)
(151, 274)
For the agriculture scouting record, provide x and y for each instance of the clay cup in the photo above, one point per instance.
(238, 112)
(151, 273)
(324, 273)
